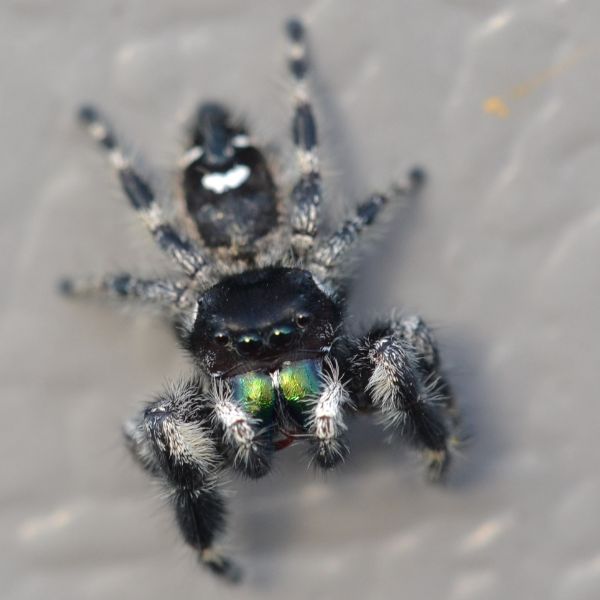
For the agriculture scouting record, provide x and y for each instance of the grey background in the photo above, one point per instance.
(499, 100)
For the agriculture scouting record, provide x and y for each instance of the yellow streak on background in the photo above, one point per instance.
(496, 106)
(499, 106)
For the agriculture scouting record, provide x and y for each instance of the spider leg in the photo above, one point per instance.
(306, 194)
(171, 439)
(419, 335)
(140, 445)
(325, 422)
(400, 385)
(247, 443)
(143, 200)
(170, 294)
(330, 252)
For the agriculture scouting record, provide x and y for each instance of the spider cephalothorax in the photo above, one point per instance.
(258, 319)
(261, 309)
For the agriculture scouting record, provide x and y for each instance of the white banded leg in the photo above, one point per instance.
(142, 198)
(306, 194)
(169, 294)
(398, 388)
(326, 425)
(331, 251)
(175, 445)
(248, 445)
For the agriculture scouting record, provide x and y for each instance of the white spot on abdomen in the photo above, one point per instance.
(220, 183)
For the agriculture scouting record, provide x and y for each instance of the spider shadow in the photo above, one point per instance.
(267, 518)
(483, 443)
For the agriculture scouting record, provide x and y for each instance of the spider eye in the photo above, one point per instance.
(249, 344)
(281, 336)
(303, 319)
(221, 338)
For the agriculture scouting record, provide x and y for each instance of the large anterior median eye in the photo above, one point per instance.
(299, 381)
(255, 392)
(281, 336)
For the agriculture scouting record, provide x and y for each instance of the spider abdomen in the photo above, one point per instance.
(228, 189)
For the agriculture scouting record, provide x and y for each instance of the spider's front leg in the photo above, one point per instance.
(173, 441)
(246, 441)
(400, 365)
(325, 423)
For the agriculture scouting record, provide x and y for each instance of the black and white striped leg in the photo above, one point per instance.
(248, 444)
(171, 440)
(325, 423)
(170, 294)
(142, 198)
(306, 194)
(399, 388)
(330, 252)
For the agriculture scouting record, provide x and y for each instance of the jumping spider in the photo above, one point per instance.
(261, 309)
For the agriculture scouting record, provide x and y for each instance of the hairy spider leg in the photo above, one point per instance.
(329, 253)
(418, 334)
(307, 193)
(325, 425)
(246, 441)
(168, 294)
(171, 439)
(142, 199)
(409, 401)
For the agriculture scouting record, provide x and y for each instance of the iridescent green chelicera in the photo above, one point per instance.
(297, 382)
(300, 380)
(255, 392)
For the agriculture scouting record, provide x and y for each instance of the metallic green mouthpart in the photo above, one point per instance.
(300, 380)
(255, 392)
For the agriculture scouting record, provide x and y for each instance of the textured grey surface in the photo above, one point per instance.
(499, 100)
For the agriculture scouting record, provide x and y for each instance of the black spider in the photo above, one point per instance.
(261, 308)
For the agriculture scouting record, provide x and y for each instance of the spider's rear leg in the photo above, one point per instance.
(404, 382)
(330, 253)
(171, 439)
(143, 198)
(307, 193)
(228, 188)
